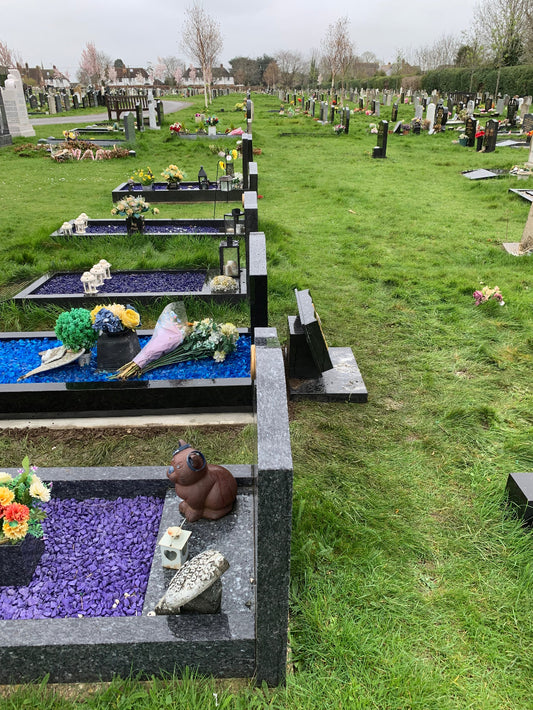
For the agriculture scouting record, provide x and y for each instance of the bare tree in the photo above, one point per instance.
(337, 50)
(290, 65)
(271, 75)
(441, 53)
(9, 57)
(202, 39)
(167, 66)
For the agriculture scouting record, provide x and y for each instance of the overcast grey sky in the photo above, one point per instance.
(138, 31)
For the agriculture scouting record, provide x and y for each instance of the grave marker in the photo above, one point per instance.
(470, 130)
(129, 128)
(491, 135)
(15, 109)
(512, 108)
(5, 136)
(380, 151)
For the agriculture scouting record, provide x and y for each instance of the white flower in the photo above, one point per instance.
(39, 490)
(5, 477)
(219, 356)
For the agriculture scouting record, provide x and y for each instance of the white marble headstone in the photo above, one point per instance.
(15, 106)
(430, 115)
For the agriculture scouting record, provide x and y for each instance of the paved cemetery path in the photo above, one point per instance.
(168, 107)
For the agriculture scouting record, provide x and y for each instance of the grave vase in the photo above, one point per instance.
(18, 561)
(135, 224)
(116, 349)
(173, 185)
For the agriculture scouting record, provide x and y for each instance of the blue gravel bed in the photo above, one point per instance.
(137, 187)
(128, 282)
(20, 355)
(151, 229)
(96, 561)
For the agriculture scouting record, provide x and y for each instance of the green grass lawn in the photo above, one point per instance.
(411, 584)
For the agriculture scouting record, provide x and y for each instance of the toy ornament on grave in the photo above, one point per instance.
(107, 268)
(98, 272)
(66, 228)
(89, 282)
(80, 225)
(207, 490)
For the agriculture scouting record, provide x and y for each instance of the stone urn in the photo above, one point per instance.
(116, 349)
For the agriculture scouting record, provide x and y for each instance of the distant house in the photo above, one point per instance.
(193, 77)
(38, 76)
(131, 76)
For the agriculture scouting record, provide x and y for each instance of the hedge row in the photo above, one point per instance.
(513, 80)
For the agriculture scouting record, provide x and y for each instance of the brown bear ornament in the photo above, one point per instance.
(208, 491)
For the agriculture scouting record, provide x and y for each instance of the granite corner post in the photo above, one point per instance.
(257, 280)
(274, 510)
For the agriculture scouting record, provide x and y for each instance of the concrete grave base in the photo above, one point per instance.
(343, 383)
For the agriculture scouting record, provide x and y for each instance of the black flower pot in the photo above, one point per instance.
(135, 224)
(18, 561)
(173, 185)
(116, 349)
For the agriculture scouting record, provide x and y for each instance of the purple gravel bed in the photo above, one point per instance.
(152, 229)
(128, 282)
(96, 562)
(20, 355)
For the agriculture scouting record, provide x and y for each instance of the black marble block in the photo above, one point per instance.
(519, 489)
(258, 280)
(309, 322)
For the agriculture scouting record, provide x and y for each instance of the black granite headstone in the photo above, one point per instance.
(346, 120)
(527, 123)
(380, 151)
(470, 130)
(491, 135)
(394, 113)
(519, 490)
(512, 108)
(308, 351)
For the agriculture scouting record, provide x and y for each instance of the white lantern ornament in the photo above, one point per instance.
(89, 283)
(107, 268)
(99, 272)
(174, 547)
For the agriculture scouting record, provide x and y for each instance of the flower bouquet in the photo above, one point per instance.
(20, 513)
(114, 318)
(226, 164)
(144, 176)
(173, 175)
(487, 294)
(211, 120)
(339, 128)
(175, 340)
(176, 128)
(133, 209)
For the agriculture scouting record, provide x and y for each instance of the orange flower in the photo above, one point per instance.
(16, 512)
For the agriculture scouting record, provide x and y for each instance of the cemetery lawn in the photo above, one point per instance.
(412, 585)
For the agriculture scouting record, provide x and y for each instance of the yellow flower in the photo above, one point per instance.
(15, 532)
(130, 318)
(6, 496)
(221, 165)
(39, 490)
(94, 312)
(234, 154)
(5, 477)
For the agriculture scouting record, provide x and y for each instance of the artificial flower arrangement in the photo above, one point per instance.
(176, 128)
(143, 175)
(373, 128)
(133, 207)
(223, 284)
(339, 128)
(74, 329)
(173, 174)
(114, 318)
(228, 159)
(240, 106)
(487, 293)
(176, 340)
(20, 513)
(211, 120)
(71, 134)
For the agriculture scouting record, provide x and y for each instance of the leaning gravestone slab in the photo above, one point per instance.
(194, 579)
(15, 106)
(316, 371)
(527, 123)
